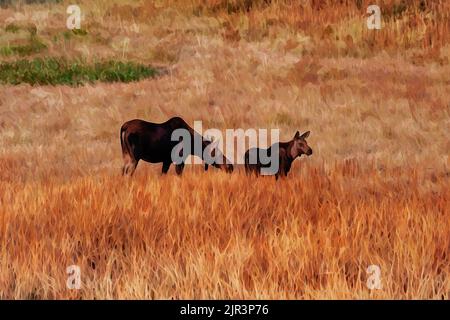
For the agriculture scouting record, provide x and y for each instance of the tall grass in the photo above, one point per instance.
(210, 235)
(375, 192)
(417, 24)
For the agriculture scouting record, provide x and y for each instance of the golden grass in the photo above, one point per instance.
(375, 191)
(218, 236)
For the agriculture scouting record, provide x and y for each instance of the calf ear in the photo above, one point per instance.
(297, 135)
(305, 135)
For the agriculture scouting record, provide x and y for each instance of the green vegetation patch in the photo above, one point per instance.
(20, 40)
(7, 3)
(53, 71)
(12, 27)
(35, 45)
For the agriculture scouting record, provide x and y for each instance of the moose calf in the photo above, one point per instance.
(288, 152)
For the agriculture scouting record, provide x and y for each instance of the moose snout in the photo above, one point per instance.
(310, 152)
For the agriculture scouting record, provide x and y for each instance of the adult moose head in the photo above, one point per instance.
(153, 142)
(214, 157)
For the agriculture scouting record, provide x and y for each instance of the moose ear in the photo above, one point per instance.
(297, 135)
(305, 135)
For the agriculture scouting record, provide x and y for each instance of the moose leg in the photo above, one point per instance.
(126, 161)
(132, 167)
(129, 165)
(280, 174)
(282, 170)
(179, 168)
(247, 169)
(165, 167)
(251, 169)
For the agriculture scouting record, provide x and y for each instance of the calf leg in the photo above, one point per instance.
(281, 174)
(247, 169)
(252, 165)
(282, 170)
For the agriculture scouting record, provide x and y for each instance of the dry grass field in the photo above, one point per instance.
(376, 191)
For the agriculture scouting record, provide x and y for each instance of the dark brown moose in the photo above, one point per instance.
(152, 142)
(288, 152)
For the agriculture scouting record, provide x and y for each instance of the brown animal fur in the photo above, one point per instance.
(288, 152)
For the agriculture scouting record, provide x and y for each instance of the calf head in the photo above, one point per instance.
(300, 146)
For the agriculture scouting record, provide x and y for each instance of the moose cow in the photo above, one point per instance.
(152, 142)
(288, 152)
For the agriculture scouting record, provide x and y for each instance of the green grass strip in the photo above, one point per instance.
(54, 71)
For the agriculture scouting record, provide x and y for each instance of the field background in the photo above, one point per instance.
(375, 191)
